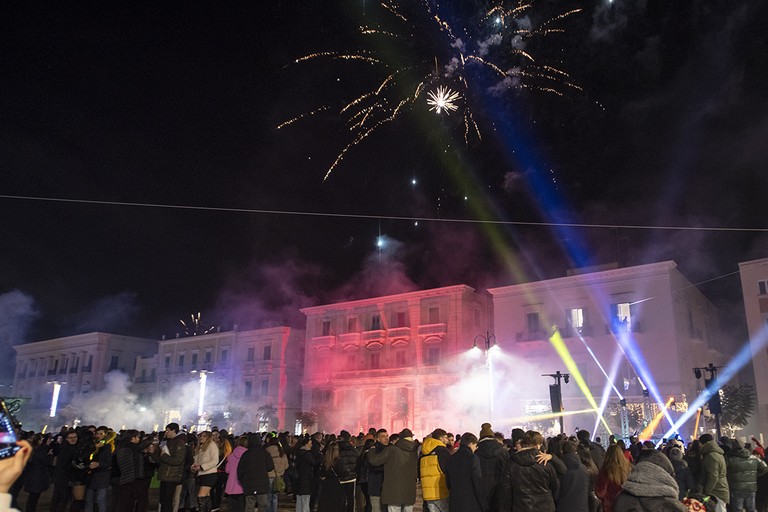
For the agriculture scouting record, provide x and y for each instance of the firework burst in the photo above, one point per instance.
(425, 55)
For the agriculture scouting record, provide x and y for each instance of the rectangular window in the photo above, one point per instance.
(376, 322)
(181, 360)
(73, 369)
(251, 354)
(434, 315)
(208, 356)
(167, 362)
(264, 387)
(352, 324)
(621, 317)
(575, 321)
(302, 354)
(113, 362)
(224, 354)
(532, 322)
(248, 388)
(398, 319)
(432, 356)
(762, 287)
(326, 328)
(400, 358)
(268, 352)
(152, 373)
(194, 359)
(143, 374)
(374, 361)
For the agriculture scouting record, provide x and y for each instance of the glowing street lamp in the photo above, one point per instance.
(55, 397)
(201, 402)
(488, 343)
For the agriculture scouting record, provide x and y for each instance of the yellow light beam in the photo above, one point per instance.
(696, 425)
(570, 364)
(547, 416)
(647, 432)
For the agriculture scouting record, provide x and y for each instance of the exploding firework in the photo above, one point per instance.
(424, 53)
(195, 326)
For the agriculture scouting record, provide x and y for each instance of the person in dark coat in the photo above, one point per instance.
(331, 497)
(376, 473)
(100, 467)
(170, 456)
(348, 459)
(130, 461)
(683, 474)
(596, 450)
(306, 464)
(37, 473)
(364, 501)
(650, 487)
(575, 483)
(464, 477)
(529, 486)
(66, 455)
(401, 468)
(252, 473)
(743, 472)
(493, 459)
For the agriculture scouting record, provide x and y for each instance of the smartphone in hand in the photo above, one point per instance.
(8, 434)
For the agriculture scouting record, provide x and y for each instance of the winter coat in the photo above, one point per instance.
(376, 473)
(574, 486)
(401, 468)
(279, 461)
(101, 475)
(37, 473)
(172, 463)
(493, 464)
(207, 458)
(606, 490)
(348, 459)
(529, 486)
(67, 454)
(331, 497)
(306, 463)
(743, 470)
(252, 471)
(233, 483)
(598, 454)
(684, 478)
(434, 458)
(649, 488)
(714, 480)
(130, 461)
(464, 478)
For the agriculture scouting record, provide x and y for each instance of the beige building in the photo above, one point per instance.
(754, 287)
(78, 364)
(653, 308)
(246, 374)
(390, 361)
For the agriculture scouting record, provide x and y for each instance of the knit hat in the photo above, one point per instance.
(661, 460)
(676, 453)
(486, 430)
(406, 433)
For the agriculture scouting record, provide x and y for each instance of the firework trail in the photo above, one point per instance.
(424, 53)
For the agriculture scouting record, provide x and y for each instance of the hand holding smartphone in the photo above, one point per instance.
(8, 434)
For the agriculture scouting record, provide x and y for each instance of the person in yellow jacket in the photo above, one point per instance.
(432, 464)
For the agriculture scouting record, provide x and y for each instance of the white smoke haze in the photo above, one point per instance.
(484, 46)
(512, 80)
(114, 313)
(17, 312)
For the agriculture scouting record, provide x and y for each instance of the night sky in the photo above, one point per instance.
(177, 107)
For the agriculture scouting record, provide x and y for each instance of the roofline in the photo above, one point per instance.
(390, 298)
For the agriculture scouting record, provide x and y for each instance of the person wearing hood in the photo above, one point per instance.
(743, 470)
(683, 474)
(253, 473)
(464, 477)
(650, 487)
(529, 486)
(575, 483)
(233, 488)
(714, 480)
(493, 464)
(432, 467)
(401, 468)
(306, 465)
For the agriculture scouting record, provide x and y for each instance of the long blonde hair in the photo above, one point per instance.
(616, 467)
(204, 439)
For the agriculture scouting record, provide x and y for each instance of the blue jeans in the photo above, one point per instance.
(302, 503)
(99, 496)
(272, 497)
(743, 499)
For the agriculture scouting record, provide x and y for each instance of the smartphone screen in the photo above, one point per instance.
(8, 436)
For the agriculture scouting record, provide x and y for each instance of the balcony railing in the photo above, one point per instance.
(348, 340)
(432, 329)
(323, 341)
(399, 332)
(377, 335)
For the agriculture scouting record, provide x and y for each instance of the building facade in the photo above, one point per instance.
(76, 365)
(252, 378)
(644, 317)
(754, 288)
(390, 361)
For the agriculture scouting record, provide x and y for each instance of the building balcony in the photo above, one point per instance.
(433, 330)
(261, 366)
(323, 342)
(399, 332)
(377, 335)
(539, 335)
(350, 340)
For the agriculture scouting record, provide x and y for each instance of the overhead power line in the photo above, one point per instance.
(386, 217)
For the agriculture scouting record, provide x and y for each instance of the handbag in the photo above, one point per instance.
(278, 484)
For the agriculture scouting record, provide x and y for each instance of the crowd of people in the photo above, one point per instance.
(381, 472)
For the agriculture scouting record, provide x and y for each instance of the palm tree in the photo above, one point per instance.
(308, 419)
(267, 413)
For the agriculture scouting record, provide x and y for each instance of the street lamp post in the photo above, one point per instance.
(714, 402)
(556, 394)
(488, 341)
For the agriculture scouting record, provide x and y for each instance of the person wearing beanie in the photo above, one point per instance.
(683, 474)
(401, 468)
(743, 472)
(651, 485)
(493, 459)
(714, 479)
